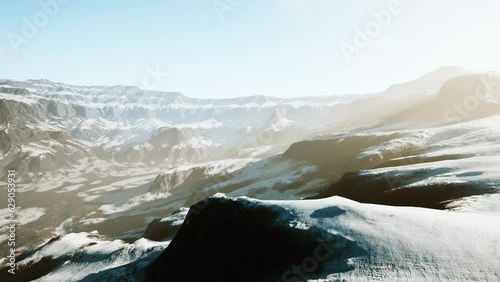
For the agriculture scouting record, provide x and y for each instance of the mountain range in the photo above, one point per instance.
(127, 184)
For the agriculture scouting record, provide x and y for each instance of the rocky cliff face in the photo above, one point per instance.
(245, 240)
(67, 123)
(406, 161)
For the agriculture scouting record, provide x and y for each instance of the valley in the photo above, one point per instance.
(404, 187)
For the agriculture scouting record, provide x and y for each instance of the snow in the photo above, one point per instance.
(206, 124)
(64, 227)
(133, 202)
(35, 150)
(88, 253)
(3, 238)
(179, 217)
(68, 246)
(74, 179)
(407, 243)
(21, 99)
(402, 243)
(70, 188)
(93, 220)
(23, 216)
(216, 167)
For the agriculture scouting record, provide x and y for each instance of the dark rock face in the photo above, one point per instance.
(387, 190)
(158, 230)
(162, 229)
(172, 136)
(166, 182)
(242, 240)
(344, 151)
(34, 269)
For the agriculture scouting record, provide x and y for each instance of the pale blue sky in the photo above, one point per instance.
(280, 48)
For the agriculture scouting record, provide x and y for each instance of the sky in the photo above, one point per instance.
(232, 48)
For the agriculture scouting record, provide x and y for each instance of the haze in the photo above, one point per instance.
(214, 49)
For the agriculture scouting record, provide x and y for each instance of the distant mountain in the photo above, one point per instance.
(428, 82)
(242, 239)
(129, 124)
(394, 186)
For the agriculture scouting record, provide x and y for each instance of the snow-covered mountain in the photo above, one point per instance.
(57, 125)
(241, 239)
(399, 186)
(332, 239)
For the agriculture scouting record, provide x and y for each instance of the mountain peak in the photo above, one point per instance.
(428, 82)
(450, 69)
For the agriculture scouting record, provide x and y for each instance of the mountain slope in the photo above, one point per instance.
(332, 239)
(405, 183)
(385, 243)
(132, 125)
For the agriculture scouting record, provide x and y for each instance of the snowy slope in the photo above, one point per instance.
(129, 124)
(410, 244)
(48, 120)
(74, 256)
(405, 181)
(355, 242)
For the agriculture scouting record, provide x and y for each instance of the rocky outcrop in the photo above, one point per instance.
(227, 239)
(161, 229)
